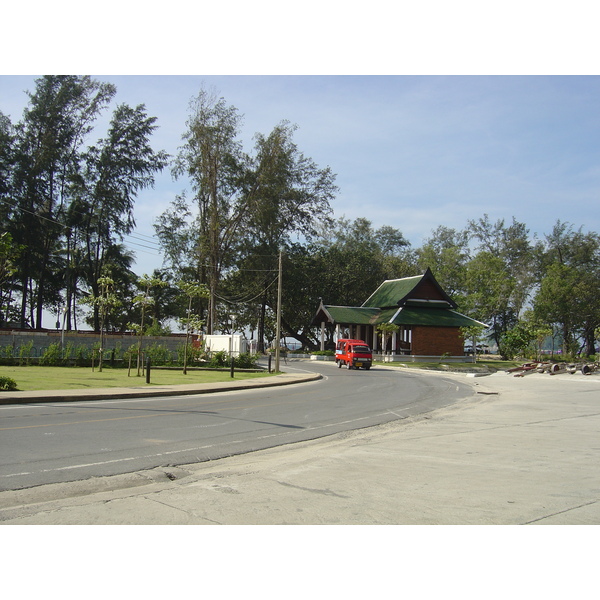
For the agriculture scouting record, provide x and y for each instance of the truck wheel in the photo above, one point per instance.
(348, 365)
(339, 364)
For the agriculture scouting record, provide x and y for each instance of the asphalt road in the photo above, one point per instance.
(59, 442)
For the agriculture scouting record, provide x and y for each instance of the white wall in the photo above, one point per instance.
(215, 343)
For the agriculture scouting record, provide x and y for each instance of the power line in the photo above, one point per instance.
(55, 222)
(241, 299)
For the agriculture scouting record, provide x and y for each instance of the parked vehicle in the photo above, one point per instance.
(353, 353)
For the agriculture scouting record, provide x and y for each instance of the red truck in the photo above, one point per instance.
(353, 353)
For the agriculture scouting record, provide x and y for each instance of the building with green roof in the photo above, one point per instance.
(427, 321)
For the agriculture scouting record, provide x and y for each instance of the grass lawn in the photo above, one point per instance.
(68, 378)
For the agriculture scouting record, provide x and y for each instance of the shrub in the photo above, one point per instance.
(82, 355)
(52, 355)
(158, 354)
(68, 351)
(25, 353)
(323, 353)
(246, 361)
(194, 354)
(219, 359)
(7, 384)
(157, 329)
(6, 351)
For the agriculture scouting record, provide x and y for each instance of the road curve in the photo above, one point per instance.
(53, 442)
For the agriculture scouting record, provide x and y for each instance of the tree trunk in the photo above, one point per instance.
(589, 339)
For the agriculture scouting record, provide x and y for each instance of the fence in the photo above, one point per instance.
(40, 340)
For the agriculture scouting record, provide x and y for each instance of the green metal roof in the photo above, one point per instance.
(351, 314)
(428, 305)
(408, 315)
(437, 317)
(391, 291)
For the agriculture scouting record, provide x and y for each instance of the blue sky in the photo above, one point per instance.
(413, 152)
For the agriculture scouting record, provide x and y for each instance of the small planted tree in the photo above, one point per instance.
(516, 341)
(191, 322)
(474, 334)
(104, 301)
(144, 300)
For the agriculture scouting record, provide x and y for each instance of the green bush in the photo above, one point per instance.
(6, 352)
(68, 351)
(194, 354)
(52, 355)
(246, 361)
(219, 359)
(158, 354)
(25, 353)
(82, 355)
(7, 384)
(323, 353)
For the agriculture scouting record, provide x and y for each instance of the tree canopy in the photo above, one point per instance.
(66, 205)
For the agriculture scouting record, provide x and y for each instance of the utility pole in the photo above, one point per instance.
(278, 328)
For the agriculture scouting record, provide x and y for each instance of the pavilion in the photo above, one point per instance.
(428, 324)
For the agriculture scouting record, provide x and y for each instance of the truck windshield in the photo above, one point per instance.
(364, 349)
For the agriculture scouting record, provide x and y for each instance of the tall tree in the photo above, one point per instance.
(446, 252)
(7, 164)
(211, 158)
(488, 292)
(9, 252)
(59, 116)
(513, 246)
(247, 206)
(285, 194)
(116, 169)
(568, 292)
(352, 261)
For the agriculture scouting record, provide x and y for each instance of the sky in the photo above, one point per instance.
(413, 152)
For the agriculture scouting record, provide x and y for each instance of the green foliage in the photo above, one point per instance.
(473, 334)
(52, 355)
(323, 353)
(516, 341)
(156, 329)
(82, 355)
(25, 353)
(130, 352)
(246, 360)
(222, 359)
(9, 254)
(7, 384)
(193, 354)
(219, 359)
(68, 350)
(446, 253)
(48, 145)
(158, 354)
(6, 351)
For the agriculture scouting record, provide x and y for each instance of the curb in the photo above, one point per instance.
(170, 390)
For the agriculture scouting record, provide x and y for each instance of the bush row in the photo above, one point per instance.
(158, 354)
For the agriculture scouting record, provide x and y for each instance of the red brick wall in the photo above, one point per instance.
(435, 341)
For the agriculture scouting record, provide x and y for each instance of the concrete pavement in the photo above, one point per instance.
(518, 451)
